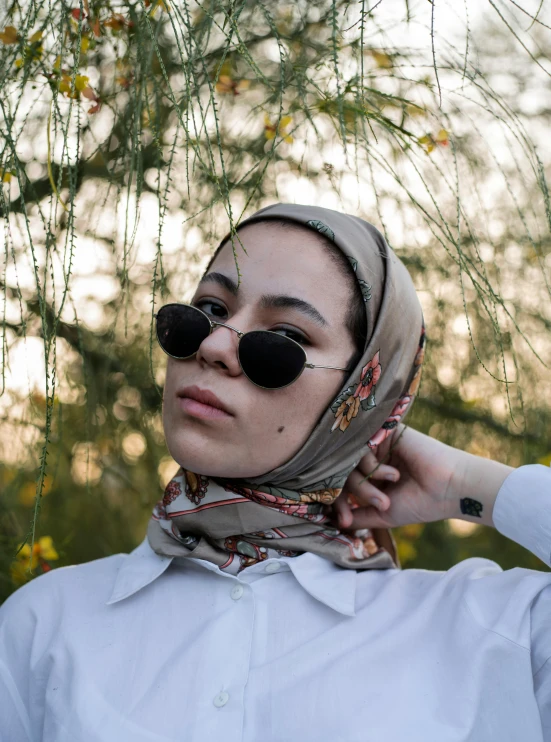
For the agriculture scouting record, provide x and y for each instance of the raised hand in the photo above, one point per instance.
(414, 478)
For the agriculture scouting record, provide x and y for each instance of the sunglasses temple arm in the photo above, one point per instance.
(334, 368)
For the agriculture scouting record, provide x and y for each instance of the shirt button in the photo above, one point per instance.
(273, 567)
(221, 699)
(237, 592)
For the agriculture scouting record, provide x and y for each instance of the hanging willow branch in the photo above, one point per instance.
(203, 109)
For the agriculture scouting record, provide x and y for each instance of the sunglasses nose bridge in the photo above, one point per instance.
(214, 325)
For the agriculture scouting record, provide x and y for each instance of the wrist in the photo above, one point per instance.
(476, 484)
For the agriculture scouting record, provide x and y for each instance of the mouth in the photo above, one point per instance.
(202, 403)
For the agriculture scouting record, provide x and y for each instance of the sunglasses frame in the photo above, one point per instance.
(214, 325)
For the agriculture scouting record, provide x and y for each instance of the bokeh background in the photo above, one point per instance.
(133, 135)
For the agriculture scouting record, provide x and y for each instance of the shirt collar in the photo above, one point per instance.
(138, 569)
(326, 582)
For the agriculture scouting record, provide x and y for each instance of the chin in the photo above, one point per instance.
(213, 459)
(202, 455)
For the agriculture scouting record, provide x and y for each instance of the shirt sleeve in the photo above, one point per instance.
(27, 620)
(522, 510)
(14, 719)
(540, 653)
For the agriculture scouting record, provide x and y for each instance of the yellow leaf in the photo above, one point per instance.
(84, 44)
(46, 547)
(19, 569)
(37, 36)
(224, 84)
(6, 175)
(226, 69)
(160, 4)
(270, 130)
(545, 460)
(427, 142)
(19, 63)
(9, 35)
(81, 82)
(25, 552)
(19, 574)
(442, 137)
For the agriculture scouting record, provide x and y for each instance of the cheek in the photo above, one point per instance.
(169, 379)
(169, 375)
(282, 422)
(299, 406)
(174, 378)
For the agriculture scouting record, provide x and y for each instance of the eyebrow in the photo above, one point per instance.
(270, 301)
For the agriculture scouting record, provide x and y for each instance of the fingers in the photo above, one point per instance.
(370, 517)
(370, 467)
(365, 493)
(343, 511)
(361, 499)
(359, 517)
(385, 472)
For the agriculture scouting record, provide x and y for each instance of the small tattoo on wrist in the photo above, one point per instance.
(471, 507)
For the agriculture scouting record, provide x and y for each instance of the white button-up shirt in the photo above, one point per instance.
(138, 647)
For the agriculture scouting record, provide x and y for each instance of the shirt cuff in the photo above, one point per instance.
(522, 510)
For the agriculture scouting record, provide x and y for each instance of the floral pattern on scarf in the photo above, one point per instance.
(363, 396)
(285, 512)
(403, 403)
(182, 521)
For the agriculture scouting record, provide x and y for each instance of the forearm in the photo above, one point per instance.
(475, 485)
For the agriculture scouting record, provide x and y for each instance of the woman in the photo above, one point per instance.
(247, 613)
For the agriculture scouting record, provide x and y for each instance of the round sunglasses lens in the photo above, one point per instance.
(181, 330)
(270, 360)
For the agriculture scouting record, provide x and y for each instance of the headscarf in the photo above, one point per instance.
(285, 512)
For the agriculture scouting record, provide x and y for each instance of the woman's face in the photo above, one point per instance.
(290, 285)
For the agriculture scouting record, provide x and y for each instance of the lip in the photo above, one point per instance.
(202, 403)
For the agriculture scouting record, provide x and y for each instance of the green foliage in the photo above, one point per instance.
(134, 135)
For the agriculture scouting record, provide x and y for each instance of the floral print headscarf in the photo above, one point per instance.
(285, 512)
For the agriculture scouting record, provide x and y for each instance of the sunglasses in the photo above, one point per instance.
(268, 359)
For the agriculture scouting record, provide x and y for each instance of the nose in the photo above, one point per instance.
(219, 350)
